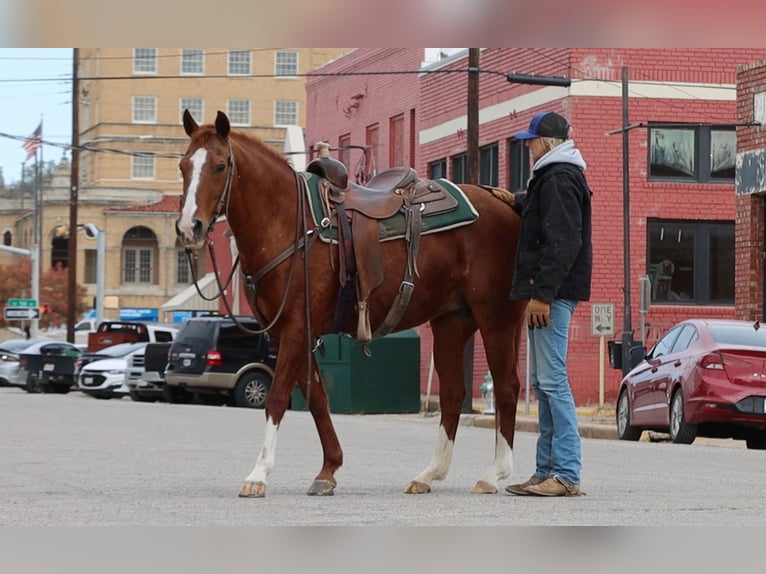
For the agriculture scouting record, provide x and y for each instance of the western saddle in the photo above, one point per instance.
(356, 210)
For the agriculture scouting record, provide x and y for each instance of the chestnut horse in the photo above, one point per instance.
(463, 281)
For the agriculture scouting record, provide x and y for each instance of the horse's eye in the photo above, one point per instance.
(220, 167)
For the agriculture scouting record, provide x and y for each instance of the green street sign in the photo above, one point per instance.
(22, 302)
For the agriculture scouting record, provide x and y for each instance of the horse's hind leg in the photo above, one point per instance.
(450, 334)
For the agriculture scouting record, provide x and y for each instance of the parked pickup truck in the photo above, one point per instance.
(145, 376)
(111, 333)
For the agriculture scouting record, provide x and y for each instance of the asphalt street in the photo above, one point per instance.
(70, 460)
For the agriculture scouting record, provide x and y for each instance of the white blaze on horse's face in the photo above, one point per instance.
(188, 218)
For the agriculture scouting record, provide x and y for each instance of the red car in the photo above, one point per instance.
(704, 377)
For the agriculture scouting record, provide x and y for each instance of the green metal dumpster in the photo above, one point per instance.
(386, 382)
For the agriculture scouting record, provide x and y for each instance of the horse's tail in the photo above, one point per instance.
(503, 195)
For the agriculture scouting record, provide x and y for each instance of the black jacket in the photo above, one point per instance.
(555, 254)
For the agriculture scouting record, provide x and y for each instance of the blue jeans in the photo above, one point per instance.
(558, 446)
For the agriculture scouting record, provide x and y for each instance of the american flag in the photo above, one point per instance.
(34, 141)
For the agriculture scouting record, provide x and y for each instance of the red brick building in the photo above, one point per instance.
(683, 115)
(750, 187)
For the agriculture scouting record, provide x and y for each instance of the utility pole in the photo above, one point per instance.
(627, 330)
(73, 200)
(472, 159)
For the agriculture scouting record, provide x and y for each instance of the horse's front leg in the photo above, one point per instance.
(288, 368)
(294, 366)
(316, 399)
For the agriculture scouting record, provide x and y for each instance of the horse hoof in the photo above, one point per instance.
(483, 487)
(253, 490)
(416, 487)
(322, 488)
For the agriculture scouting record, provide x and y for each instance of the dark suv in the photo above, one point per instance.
(218, 361)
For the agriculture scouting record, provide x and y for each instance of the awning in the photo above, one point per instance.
(190, 300)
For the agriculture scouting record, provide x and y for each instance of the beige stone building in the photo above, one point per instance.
(130, 104)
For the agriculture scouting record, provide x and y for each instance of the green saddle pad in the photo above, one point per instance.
(394, 227)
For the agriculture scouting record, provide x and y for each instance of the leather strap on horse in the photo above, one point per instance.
(402, 299)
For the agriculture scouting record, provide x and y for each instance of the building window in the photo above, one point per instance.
(144, 60)
(488, 165)
(139, 254)
(344, 149)
(285, 112)
(90, 266)
(7, 238)
(459, 168)
(195, 107)
(286, 64)
(143, 166)
(138, 265)
(396, 138)
(239, 62)
(692, 153)
(691, 262)
(437, 168)
(144, 110)
(239, 112)
(192, 61)
(518, 165)
(183, 272)
(370, 157)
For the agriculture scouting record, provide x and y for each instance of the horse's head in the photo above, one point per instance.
(207, 168)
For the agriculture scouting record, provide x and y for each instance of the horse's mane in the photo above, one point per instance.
(208, 131)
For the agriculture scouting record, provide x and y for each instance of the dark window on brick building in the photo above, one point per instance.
(691, 262)
(518, 165)
(459, 168)
(437, 168)
(695, 153)
(488, 165)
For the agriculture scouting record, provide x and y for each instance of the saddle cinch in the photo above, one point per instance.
(359, 208)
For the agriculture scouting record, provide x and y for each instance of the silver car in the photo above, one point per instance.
(9, 358)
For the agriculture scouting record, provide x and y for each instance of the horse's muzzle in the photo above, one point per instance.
(194, 238)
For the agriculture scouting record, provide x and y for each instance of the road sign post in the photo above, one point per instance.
(601, 325)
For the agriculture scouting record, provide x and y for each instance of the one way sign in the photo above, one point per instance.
(21, 313)
(602, 319)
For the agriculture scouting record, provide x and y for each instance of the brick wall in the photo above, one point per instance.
(440, 97)
(749, 235)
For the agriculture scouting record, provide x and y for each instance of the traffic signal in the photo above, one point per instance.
(45, 309)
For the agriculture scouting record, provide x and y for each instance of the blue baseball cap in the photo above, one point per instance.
(545, 125)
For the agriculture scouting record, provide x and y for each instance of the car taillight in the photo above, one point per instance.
(712, 361)
(214, 358)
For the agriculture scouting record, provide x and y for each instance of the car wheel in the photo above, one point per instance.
(210, 399)
(33, 384)
(176, 395)
(252, 389)
(59, 388)
(624, 429)
(681, 432)
(756, 440)
(139, 398)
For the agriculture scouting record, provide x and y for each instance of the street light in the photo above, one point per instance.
(93, 232)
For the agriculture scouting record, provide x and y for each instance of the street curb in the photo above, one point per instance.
(525, 423)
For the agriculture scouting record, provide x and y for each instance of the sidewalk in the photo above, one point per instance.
(594, 422)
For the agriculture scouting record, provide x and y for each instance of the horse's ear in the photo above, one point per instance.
(222, 125)
(190, 126)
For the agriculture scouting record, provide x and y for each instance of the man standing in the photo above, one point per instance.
(553, 271)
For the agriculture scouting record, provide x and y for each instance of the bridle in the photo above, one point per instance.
(304, 239)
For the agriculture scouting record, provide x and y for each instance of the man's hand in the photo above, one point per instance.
(538, 313)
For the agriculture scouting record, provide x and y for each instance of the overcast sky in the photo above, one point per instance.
(35, 84)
